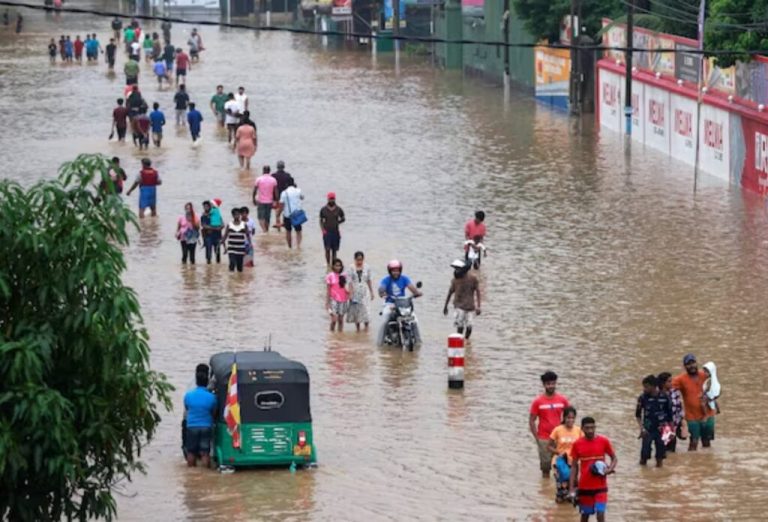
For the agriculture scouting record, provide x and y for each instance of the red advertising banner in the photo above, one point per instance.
(754, 172)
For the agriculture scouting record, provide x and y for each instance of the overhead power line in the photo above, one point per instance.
(694, 21)
(376, 36)
(676, 10)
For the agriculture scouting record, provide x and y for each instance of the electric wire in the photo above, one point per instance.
(694, 22)
(377, 36)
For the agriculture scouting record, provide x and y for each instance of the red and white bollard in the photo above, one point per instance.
(455, 361)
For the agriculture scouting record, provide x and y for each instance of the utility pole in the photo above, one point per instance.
(505, 28)
(579, 58)
(573, 59)
(628, 60)
(396, 32)
(396, 22)
(699, 85)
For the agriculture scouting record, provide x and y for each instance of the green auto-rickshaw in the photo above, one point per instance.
(276, 423)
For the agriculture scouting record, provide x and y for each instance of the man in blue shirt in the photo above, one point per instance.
(157, 120)
(92, 48)
(392, 286)
(161, 71)
(200, 411)
(395, 284)
(194, 118)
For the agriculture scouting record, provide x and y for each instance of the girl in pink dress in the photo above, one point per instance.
(188, 232)
(337, 297)
(246, 141)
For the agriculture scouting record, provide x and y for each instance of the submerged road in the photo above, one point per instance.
(601, 267)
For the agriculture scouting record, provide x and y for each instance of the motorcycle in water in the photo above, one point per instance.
(402, 327)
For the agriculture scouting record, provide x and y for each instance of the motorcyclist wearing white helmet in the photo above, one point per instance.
(392, 286)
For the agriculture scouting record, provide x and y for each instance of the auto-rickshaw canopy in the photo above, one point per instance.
(271, 388)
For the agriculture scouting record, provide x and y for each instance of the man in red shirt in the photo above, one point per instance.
(148, 180)
(475, 227)
(588, 455)
(182, 65)
(78, 45)
(547, 409)
(119, 120)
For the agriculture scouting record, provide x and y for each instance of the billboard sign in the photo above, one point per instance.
(610, 100)
(553, 72)
(657, 122)
(714, 142)
(388, 11)
(686, 64)
(684, 127)
(473, 7)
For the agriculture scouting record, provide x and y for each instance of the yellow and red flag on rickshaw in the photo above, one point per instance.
(232, 408)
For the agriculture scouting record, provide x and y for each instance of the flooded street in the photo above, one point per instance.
(601, 267)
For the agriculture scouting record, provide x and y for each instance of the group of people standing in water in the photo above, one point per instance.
(669, 408)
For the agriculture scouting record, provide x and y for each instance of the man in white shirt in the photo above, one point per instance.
(242, 99)
(291, 201)
(136, 51)
(231, 116)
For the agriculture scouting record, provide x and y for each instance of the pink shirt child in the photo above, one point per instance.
(265, 185)
(338, 293)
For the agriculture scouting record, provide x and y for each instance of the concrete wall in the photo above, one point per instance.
(732, 139)
(488, 61)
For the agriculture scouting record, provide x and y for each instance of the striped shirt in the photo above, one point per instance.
(237, 238)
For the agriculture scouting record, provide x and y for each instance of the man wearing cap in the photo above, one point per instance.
(701, 423)
(331, 216)
(467, 292)
(284, 180)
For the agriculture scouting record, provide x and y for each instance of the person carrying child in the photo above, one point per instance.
(474, 250)
(653, 412)
(677, 427)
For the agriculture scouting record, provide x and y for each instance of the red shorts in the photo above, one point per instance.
(590, 504)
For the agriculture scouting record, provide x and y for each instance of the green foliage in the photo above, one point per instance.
(737, 25)
(543, 17)
(77, 400)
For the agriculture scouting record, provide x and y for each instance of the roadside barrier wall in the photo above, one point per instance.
(732, 137)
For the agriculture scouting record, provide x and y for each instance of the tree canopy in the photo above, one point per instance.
(543, 18)
(733, 25)
(737, 25)
(78, 399)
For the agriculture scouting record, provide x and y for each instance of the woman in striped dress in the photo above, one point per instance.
(235, 240)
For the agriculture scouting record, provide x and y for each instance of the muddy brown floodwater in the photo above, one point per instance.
(601, 266)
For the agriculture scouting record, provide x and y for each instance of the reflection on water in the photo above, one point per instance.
(602, 266)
